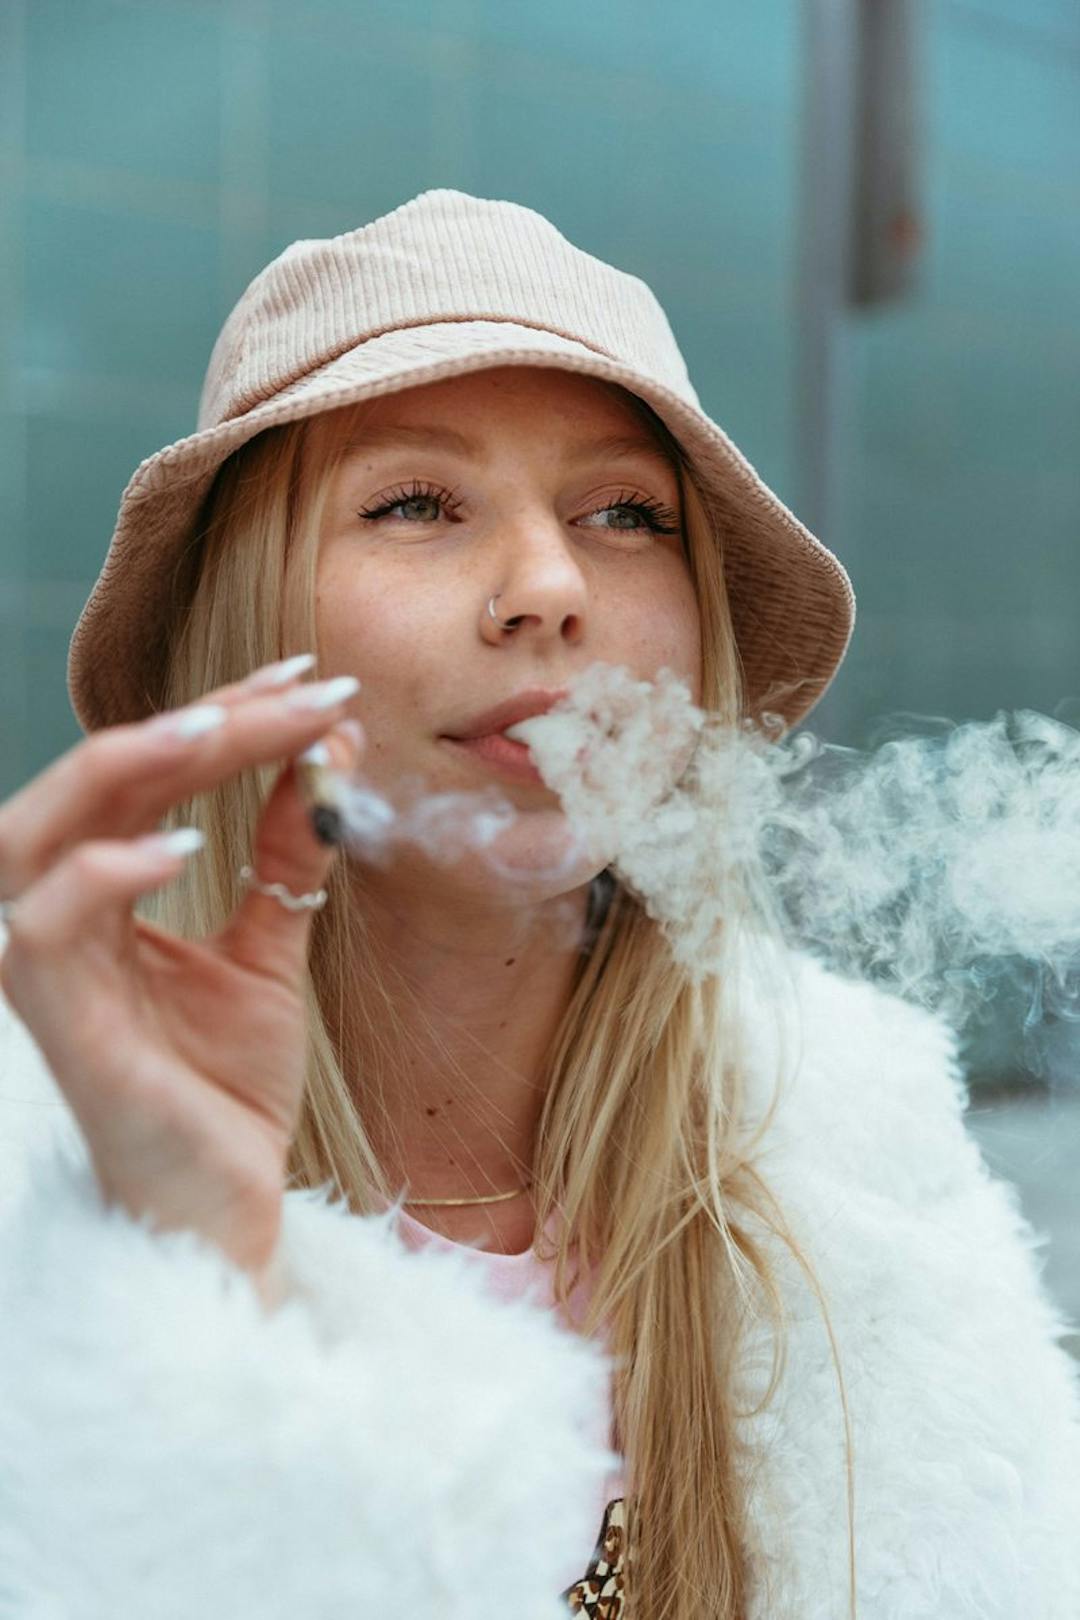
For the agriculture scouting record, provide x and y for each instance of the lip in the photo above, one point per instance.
(511, 758)
(520, 707)
(483, 739)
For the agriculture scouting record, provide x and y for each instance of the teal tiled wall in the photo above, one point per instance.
(156, 153)
(963, 512)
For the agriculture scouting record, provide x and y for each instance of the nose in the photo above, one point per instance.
(541, 587)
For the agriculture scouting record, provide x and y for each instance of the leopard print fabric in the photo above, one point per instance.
(600, 1592)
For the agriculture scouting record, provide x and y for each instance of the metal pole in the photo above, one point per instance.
(822, 376)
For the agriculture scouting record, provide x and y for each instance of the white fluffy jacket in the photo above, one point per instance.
(396, 1441)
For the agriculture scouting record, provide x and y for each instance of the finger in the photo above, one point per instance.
(69, 937)
(98, 762)
(120, 781)
(87, 896)
(264, 934)
(269, 677)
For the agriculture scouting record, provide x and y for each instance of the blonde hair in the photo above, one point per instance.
(641, 1142)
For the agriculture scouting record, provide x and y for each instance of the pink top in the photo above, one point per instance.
(513, 1276)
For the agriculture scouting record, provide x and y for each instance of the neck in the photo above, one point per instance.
(475, 996)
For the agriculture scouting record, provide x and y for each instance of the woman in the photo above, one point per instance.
(459, 461)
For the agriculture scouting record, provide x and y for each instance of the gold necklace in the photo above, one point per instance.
(490, 1198)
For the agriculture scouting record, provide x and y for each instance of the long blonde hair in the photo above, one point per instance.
(641, 1145)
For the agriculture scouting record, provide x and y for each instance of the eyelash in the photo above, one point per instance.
(656, 517)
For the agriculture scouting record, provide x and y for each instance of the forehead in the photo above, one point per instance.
(584, 415)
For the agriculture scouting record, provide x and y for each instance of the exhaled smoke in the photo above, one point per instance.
(942, 865)
(443, 825)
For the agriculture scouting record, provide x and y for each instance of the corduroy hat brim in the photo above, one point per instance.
(444, 285)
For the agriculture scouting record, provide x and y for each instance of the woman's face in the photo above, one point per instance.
(497, 483)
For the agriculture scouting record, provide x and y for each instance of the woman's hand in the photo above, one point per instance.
(183, 1062)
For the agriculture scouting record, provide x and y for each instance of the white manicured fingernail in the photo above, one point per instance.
(181, 841)
(323, 694)
(279, 674)
(317, 754)
(195, 721)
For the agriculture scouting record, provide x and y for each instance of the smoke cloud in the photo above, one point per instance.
(943, 865)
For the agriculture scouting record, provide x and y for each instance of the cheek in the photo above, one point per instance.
(357, 621)
(369, 628)
(375, 600)
(667, 616)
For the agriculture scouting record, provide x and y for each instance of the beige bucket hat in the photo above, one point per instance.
(443, 285)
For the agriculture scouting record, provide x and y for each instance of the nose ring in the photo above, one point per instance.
(510, 624)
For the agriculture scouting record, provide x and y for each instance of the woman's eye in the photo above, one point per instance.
(428, 508)
(417, 504)
(640, 515)
(634, 519)
(420, 503)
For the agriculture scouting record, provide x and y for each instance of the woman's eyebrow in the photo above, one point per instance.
(613, 446)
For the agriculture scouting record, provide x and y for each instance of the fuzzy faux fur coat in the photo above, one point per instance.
(394, 1441)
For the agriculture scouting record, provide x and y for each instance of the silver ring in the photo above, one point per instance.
(7, 909)
(284, 897)
(493, 615)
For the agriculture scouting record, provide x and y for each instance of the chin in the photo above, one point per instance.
(536, 860)
(539, 857)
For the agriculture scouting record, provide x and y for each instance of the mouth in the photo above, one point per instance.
(485, 739)
(499, 753)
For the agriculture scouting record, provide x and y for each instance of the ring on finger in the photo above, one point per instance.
(313, 901)
(284, 897)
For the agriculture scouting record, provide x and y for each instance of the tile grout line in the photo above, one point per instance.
(14, 666)
(243, 203)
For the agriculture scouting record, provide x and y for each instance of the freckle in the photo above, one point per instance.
(430, 1111)
(510, 960)
(448, 1101)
